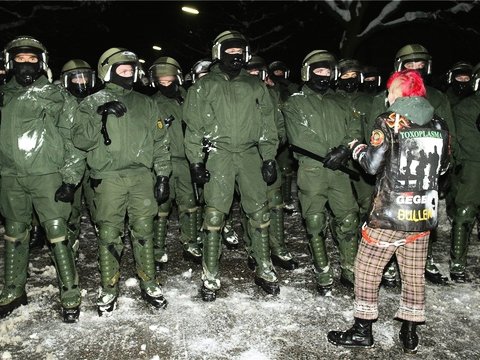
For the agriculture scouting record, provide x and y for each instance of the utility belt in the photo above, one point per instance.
(396, 243)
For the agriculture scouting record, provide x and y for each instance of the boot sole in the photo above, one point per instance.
(158, 303)
(265, 285)
(286, 265)
(107, 310)
(353, 346)
(71, 315)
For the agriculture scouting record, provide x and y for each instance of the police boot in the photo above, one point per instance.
(432, 272)
(257, 228)
(347, 236)
(280, 255)
(63, 258)
(229, 234)
(15, 268)
(289, 205)
(389, 277)
(109, 253)
(408, 337)
(159, 241)
(37, 237)
(359, 335)
(461, 230)
(188, 228)
(316, 243)
(142, 243)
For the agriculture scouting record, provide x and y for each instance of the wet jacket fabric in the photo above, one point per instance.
(235, 115)
(408, 151)
(139, 137)
(35, 132)
(319, 123)
(172, 107)
(467, 115)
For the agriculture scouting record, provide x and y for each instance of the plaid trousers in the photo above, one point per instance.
(372, 257)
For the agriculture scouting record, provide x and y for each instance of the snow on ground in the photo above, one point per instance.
(243, 323)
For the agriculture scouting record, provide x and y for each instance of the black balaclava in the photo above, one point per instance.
(124, 82)
(370, 86)
(26, 73)
(232, 63)
(349, 85)
(171, 91)
(461, 88)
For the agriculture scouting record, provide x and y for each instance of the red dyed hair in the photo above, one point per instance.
(410, 82)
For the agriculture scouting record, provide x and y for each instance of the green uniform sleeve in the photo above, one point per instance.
(86, 126)
(161, 148)
(268, 142)
(193, 109)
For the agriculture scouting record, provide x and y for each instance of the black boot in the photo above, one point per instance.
(408, 337)
(270, 287)
(324, 290)
(359, 335)
(71, 315)
(459, 277)
(7, 309)
(207, 294)
(157, 301)
(37, 237)
(287, 264)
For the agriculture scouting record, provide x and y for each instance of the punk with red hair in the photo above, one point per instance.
(410, 83)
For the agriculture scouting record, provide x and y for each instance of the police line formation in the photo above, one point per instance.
(365, 156)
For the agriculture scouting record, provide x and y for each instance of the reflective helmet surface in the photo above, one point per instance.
(78, 77)
(413, 52)
(25, 44)
(230, 36)
(459, 68)
(279, 65)
(257, 62)
(476, 77)
(116, 56)
(318, 56)
(200, 68)
(165, 66)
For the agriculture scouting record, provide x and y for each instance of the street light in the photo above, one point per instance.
(156, 47)
(190, 10)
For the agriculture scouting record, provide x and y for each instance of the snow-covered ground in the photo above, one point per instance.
(243, 323)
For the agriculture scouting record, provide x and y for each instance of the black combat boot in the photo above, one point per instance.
(408, 337)
(208, 295)
(359, 335)
(270, 287)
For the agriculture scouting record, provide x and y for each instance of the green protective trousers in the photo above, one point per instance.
(212, 248)
(286, 163)
(316, 229)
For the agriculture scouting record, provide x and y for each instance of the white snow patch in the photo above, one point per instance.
(131, 282)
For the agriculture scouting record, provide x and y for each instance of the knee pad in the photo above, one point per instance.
(56, 230)
(213, 219)
(14, 230)
(108, 234)
(349, 224)
(465, 214)
(316, 224)
(260, 218)
(275, 199)
(143, 227)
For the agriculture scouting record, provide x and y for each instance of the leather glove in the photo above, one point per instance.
(95, 182)
(162, 189)
(65, 193)
(116, 108)
(337, 157)
(200, 175)
(269, 171)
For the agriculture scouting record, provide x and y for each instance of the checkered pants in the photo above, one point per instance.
(370, 263)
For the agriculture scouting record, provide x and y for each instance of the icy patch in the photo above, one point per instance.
(131, 282)
(253, 354)
(6, 356)
(187, 274)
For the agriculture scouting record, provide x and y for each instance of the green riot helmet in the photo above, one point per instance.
(350, 75)
(458, 77)
(413, 52)
(200, 68)
(3, 72)
(165, 66)
(476, 77)
(26, 72)
(316, 59)
(257, 67)
(78, 78)
(116, 56)
(231, 39)
(278, 69)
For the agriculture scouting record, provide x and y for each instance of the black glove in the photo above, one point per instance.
(95, 182)
(65, 193)
(200, 175)
(337, 157)
(162, 189)
(478, 122)
(269, 171)
(116, 108)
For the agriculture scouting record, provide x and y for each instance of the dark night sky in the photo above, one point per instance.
(93, 27)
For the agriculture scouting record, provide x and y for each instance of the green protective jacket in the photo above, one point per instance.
(319, 123)
(279, 118)
(139, 137)
(466, 115)
(436, 98)
(171, 107)
(234, 114)
(35, 132)
(361, 104)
